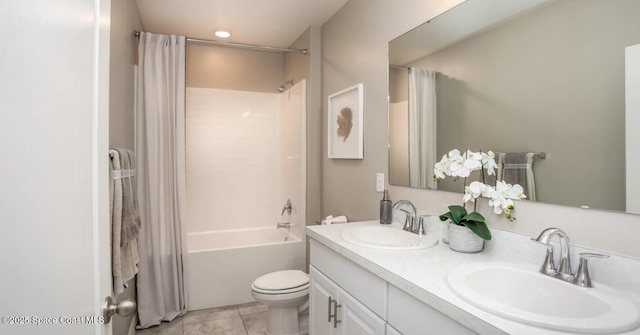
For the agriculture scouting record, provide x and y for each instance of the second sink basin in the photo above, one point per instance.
(525, 295)
(382, 237)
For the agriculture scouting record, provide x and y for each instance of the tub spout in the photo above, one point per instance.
(283, 225)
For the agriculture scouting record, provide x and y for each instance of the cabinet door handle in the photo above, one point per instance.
(335, 314)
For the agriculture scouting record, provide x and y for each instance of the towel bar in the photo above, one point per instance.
(542, 155)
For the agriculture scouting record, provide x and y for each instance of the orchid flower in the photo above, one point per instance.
(462, 166)
(489, 162)
(456, 164)
(475, 190)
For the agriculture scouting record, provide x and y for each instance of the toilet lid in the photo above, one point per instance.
(282, 280)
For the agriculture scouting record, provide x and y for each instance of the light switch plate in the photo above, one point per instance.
(379, 182)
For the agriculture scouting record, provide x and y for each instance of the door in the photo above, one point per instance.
(356, 319)
(54, 197)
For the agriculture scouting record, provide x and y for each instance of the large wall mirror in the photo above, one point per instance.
(519, 76)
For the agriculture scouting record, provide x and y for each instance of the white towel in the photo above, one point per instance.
(517, 168)
(130, 217)
(124, 260)
(331, 220)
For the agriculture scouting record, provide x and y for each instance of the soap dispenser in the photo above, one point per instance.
(386, 209)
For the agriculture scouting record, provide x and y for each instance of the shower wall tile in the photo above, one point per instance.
(232, 159)
(291, 153)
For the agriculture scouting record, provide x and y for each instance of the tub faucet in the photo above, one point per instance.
(410, 217)
(283, 225)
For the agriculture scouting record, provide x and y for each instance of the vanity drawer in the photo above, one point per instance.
(411, 316)
(363, 285)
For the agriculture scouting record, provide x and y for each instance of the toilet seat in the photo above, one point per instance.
(281, 282)
(281, 292)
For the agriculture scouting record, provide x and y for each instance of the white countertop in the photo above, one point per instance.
(423, 273)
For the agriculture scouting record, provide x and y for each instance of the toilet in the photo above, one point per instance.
(286, 293)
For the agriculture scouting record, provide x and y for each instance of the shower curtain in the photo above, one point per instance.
(160, 148)
(422, 127)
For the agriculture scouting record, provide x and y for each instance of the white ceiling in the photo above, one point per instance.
(275, 23)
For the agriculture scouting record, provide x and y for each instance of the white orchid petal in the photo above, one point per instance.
(474, 155)
(472, 165)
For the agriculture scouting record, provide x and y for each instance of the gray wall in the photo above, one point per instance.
(123, 56)
(354, 45)
(210, 66)
(125, 21)
(297, 67)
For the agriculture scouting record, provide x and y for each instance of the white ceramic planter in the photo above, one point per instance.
(462, 239)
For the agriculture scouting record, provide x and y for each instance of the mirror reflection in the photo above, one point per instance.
(540, 78)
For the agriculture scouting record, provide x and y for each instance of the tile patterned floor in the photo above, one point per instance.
(245, 319)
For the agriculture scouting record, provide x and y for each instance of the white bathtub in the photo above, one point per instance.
(223, 264)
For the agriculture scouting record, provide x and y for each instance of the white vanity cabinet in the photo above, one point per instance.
(346, 299)
(411, 316)
(392, 331)
(335, 312)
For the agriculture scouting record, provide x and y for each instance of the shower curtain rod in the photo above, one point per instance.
(241, 45)
(400, 66)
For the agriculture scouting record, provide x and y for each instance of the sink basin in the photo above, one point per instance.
(527, 296)
(381, 237)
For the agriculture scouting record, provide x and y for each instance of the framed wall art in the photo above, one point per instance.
(345, 127)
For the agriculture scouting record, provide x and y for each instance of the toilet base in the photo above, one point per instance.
(283, 321)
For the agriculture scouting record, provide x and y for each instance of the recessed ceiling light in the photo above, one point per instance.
(222, 34)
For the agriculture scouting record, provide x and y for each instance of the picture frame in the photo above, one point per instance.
(345, 124)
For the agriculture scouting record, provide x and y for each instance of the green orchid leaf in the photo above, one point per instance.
(446, 216)
(457, 212)
(479, 228)
(474, 216)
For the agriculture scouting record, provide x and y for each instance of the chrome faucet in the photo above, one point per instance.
(286, 208)
(283, 225)
(564, 271)
(419, 229)
(410, 217)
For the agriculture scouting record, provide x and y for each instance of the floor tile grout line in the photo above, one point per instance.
(237, 310)
(246, 331)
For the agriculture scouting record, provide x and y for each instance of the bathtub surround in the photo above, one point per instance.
(162, 285)
(231, 159)
(245, 159)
